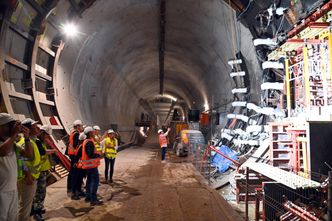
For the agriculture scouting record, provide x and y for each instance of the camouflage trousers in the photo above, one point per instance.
(38, 201)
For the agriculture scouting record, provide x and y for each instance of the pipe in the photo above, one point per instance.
(247, 195)
(220, 153)
(312, 18)
(329, 198)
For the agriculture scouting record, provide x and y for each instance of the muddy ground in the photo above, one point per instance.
(145, 190)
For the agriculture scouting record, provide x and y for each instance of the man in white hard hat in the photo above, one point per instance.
(11, 166)
(28, 185)
(89, 160)
(163, 142)
(71, 152)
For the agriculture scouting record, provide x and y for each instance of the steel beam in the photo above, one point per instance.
(162, 44)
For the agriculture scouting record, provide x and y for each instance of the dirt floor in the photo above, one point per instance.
(145, 190)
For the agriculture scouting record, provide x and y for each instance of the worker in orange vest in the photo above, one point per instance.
(163, 142)
(71, 152)
(89, 160)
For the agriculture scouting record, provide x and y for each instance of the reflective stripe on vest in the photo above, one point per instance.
(163, 141)
(20, 166)
(45, 164)
(110, 151)
(71, 148)
(85, 162)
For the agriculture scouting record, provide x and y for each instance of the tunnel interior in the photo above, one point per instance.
(129, 59)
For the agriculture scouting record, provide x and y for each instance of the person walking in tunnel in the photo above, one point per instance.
(89, 160)
(45, 152)
(163, 142)
(110, 146)
(11, 165)
(27, 185)
(71, 152)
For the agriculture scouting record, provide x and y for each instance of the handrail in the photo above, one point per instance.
(220, 153)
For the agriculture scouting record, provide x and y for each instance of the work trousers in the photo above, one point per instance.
(9, 206)
(78, 180)
(71, 174)
(109, 166)
(163, 153)
(92, 183)
(38, 201)
(26, 194)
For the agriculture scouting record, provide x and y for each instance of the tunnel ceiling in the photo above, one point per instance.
(114, 61)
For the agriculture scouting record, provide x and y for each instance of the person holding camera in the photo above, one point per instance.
(27, 184)
(11, 167)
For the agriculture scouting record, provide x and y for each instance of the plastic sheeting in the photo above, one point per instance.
(221, 162)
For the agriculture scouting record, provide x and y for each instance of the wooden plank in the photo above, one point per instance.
(20, 95)
(25, 35)
(47, 50)
(47, 102)
(16, 63)
(42, 73)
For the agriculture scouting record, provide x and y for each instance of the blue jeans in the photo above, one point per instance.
(92, 183)
(163, 153)
(109, 166)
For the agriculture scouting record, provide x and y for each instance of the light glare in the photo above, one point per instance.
(70, 29)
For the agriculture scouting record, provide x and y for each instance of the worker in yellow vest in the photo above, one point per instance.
(71, 152)
(27, 185)
(97, 138)
(45, 166)
(110, 147)
(163, 142)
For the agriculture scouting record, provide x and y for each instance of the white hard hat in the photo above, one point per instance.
(47, 129)
(96, 127)
(77, 123)
(5, 118)
(29, 121)
(159, 131)
(110, 131)
(82, 136)
(88, 130)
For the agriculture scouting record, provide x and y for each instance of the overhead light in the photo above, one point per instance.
(70, 29)
(206, 107)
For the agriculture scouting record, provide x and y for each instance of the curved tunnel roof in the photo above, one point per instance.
(114, 61)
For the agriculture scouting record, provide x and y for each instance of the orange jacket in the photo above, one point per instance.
(85, 162)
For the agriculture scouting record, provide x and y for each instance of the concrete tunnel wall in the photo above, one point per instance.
(104, 71)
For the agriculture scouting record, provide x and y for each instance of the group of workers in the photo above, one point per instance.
(24, 167)
(85, 150)
(25, 148)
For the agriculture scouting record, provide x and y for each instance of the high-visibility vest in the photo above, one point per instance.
(34, 164)
(20, 166)
(163, 140)
(45, 164)
(97, 143)
(85, 162)
(71, 148)
(109, 150)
